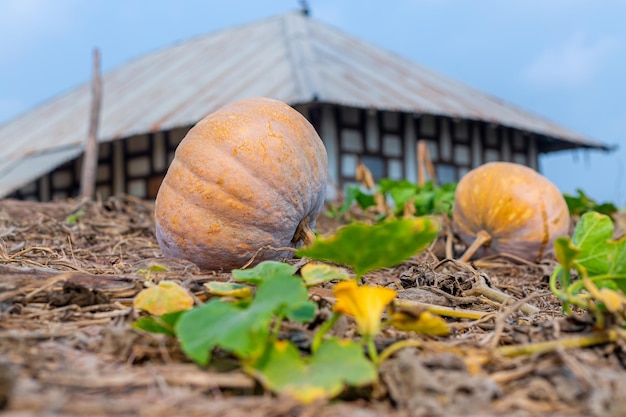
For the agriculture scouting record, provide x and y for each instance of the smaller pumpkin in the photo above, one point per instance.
(503, 207)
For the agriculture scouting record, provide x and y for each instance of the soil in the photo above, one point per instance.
(69, 271)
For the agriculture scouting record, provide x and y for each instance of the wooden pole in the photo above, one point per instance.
(90, 157)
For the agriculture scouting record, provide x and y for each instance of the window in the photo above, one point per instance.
(446, 173)
(376, 165)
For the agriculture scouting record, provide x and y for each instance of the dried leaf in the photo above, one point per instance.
(424, 323)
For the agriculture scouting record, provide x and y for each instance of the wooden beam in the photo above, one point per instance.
(90, 157)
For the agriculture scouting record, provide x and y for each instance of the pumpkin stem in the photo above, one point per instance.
(482, 238)
(303, 233)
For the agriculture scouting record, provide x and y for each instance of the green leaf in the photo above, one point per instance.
(386, 185)
(367, 247)
(566, 252)
(444, 199)
(323, 375)
(581, 203)
(591, 236)
(617, 261)
(73, 218)
(243, 331)
(401, 196)
(164, 324)
(355, 194)
(264, 270)
(424, 202)
(303, 313)
(284, 295)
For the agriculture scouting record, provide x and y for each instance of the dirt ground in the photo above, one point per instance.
(69, 271)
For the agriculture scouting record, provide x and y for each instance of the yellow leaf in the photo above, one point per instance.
(364, 303)
(424, 323)
(229, 289)
(315, 273)
(167, 297)
(612, 300)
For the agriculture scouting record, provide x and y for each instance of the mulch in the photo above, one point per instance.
(69, 271)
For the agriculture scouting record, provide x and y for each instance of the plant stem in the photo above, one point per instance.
(440, 310)
(607, 336)
(317, 339)
(277, 325)
(502, 298)
(397, 346)
(371, 349)
(553, 278)
(578, 285)
(482, 238)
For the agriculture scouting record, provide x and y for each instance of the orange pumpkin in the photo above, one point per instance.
(250, 175)
(511, 209)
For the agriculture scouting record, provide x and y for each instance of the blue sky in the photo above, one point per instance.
(562, 59)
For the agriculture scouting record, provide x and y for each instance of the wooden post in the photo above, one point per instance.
(90, 157)
(424, 164)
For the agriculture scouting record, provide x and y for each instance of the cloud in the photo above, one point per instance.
(572, 64)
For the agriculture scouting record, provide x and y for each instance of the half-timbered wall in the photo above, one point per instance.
(384, 141)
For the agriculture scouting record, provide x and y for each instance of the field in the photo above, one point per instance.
(69, 272)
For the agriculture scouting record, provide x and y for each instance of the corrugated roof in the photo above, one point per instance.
(289, 57)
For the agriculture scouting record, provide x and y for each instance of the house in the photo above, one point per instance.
(366, 103)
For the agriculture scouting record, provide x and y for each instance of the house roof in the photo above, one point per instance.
(290, 57)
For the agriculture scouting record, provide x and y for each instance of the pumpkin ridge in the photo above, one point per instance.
(297, 196)
(235, 220)
(301, 203)
(232, 191)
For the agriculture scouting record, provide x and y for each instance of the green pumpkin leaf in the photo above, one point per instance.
(262, 271)
(368, 247)
(302, 313)
(386, 185)
(581, 203)
(355, 194)
(401, 196)
(164, 324)
(323, 375)
(591, 236)
(424, 202)
(284, 296)
(243, 331)
(617, 261)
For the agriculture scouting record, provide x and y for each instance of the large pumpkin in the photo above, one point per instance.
(250, 175)
(513, 208)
